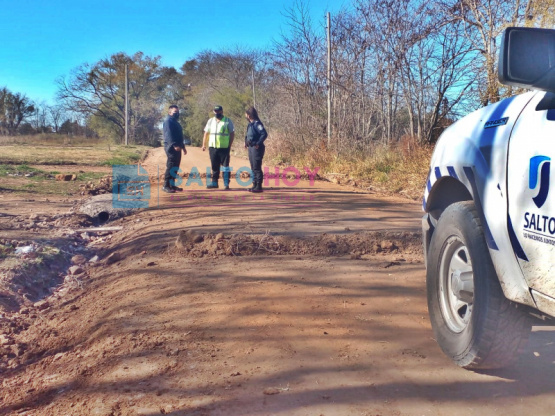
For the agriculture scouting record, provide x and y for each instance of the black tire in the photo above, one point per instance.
(473, 322)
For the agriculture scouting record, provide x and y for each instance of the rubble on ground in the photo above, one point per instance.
(103, 186)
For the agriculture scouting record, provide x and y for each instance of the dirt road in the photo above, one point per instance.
(305, 300)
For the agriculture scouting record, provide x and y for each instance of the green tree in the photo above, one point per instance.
(218, 78)
(14, 108)
(97, 92)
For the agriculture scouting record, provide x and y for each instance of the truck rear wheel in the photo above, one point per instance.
(473, 322)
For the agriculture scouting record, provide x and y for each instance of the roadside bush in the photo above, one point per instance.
(399, 168)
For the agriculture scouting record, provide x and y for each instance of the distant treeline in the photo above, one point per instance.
(401, 70)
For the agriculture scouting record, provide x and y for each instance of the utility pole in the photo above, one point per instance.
(126, 108)
(253, 93)
(329, 79)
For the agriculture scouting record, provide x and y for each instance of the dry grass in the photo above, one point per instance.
(45, 188)
(400, 169)
(46, 139)
(57, 150)
(18, 153)
(27, 179)
(91, 156)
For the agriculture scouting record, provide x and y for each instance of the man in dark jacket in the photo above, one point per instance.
(173, 145)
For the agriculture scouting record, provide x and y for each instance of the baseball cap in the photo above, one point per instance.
(218, 108)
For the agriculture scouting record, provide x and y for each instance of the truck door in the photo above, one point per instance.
(531, 198)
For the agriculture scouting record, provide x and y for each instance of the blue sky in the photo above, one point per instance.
(42, 40)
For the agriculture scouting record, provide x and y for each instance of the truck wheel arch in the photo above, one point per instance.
(446, 191)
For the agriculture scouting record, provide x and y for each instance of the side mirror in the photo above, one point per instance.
(527, 58)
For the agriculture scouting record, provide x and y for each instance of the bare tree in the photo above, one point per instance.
(484, 21)
(399, 68)
(299, 59)
(437, 73)
(40, 119)
(56, 115)
(416, 62)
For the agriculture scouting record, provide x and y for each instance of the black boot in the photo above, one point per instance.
(257, 188)
(212, 185)
(252, 187)
(212, 181)
(168, 189)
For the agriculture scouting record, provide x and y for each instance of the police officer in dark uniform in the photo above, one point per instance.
(254, 142)
(173, 145)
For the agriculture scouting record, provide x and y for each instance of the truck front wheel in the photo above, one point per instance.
(473, 322)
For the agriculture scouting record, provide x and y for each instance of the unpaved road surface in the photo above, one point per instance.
(305, 300)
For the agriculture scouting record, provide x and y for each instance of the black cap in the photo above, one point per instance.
(218, 108)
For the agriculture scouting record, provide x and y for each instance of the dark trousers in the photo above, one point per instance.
(174, 159)
(218, 157)
(255, 157)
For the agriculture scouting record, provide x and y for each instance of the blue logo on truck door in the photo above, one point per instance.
(538, 226)
(540, 166)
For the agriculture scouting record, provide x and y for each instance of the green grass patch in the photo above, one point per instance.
(22, 170)
(126, 156)
(117, 161)
(90, 176)
(46, 187)
(5, 169)
(5, 251)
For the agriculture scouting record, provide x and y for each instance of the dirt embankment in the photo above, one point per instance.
(197, 244)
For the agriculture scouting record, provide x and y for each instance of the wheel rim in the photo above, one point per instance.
(456, 285)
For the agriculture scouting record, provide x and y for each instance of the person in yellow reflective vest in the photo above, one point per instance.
(218, 136)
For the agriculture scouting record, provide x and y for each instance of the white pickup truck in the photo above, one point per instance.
(489, 227)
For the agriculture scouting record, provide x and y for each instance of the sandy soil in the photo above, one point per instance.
(305, 300)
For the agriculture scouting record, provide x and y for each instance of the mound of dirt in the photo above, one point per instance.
(103, 186)
(197, 244)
